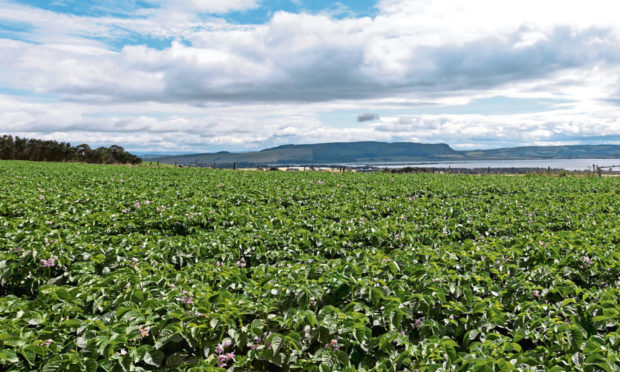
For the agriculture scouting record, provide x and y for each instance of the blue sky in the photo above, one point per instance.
(260, 13)
(173, 76)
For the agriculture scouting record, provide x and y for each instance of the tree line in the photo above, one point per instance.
(39, 150)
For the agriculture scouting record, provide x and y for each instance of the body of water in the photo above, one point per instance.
(568, 164)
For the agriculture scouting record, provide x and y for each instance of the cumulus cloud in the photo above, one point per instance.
(174, 127)
(220, 83)
(369, 116)
(304, 58)
(215, 6)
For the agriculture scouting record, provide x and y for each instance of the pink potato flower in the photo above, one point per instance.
(219, 349)
(50, 262)
(144, 331)
(186, 300)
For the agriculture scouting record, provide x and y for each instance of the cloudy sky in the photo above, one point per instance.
(178, 76)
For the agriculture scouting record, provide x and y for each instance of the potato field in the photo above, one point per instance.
(115, 268)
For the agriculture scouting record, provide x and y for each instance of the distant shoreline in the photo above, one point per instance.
(386, 153)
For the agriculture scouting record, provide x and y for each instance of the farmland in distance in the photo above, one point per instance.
(112, 268)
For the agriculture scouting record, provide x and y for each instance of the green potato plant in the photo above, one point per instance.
(112, 268)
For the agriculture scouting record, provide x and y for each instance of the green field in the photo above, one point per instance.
(112, 268)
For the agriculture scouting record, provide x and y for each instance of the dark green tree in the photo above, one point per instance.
(46, 150)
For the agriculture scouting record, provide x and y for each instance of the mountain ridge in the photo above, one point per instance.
(374, 151)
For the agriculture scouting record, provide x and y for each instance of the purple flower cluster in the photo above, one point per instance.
(241, 263)
(333, 344)
(259, 340)
(186, 300)
(418, 323)
(144, 331)
(223, 359)
(536, 293)
(47, 342)
(50, 262)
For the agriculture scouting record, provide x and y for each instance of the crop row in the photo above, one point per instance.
(107, 268)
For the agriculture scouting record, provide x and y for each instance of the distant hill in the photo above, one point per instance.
(369, 152)
(548, 152)
(327, 153)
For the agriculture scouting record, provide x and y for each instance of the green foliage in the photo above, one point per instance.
(40, 150)
(130, 269)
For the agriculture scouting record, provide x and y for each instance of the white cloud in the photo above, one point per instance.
(215, 6)
(250, 86)
(304, 57)
(177, 127)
